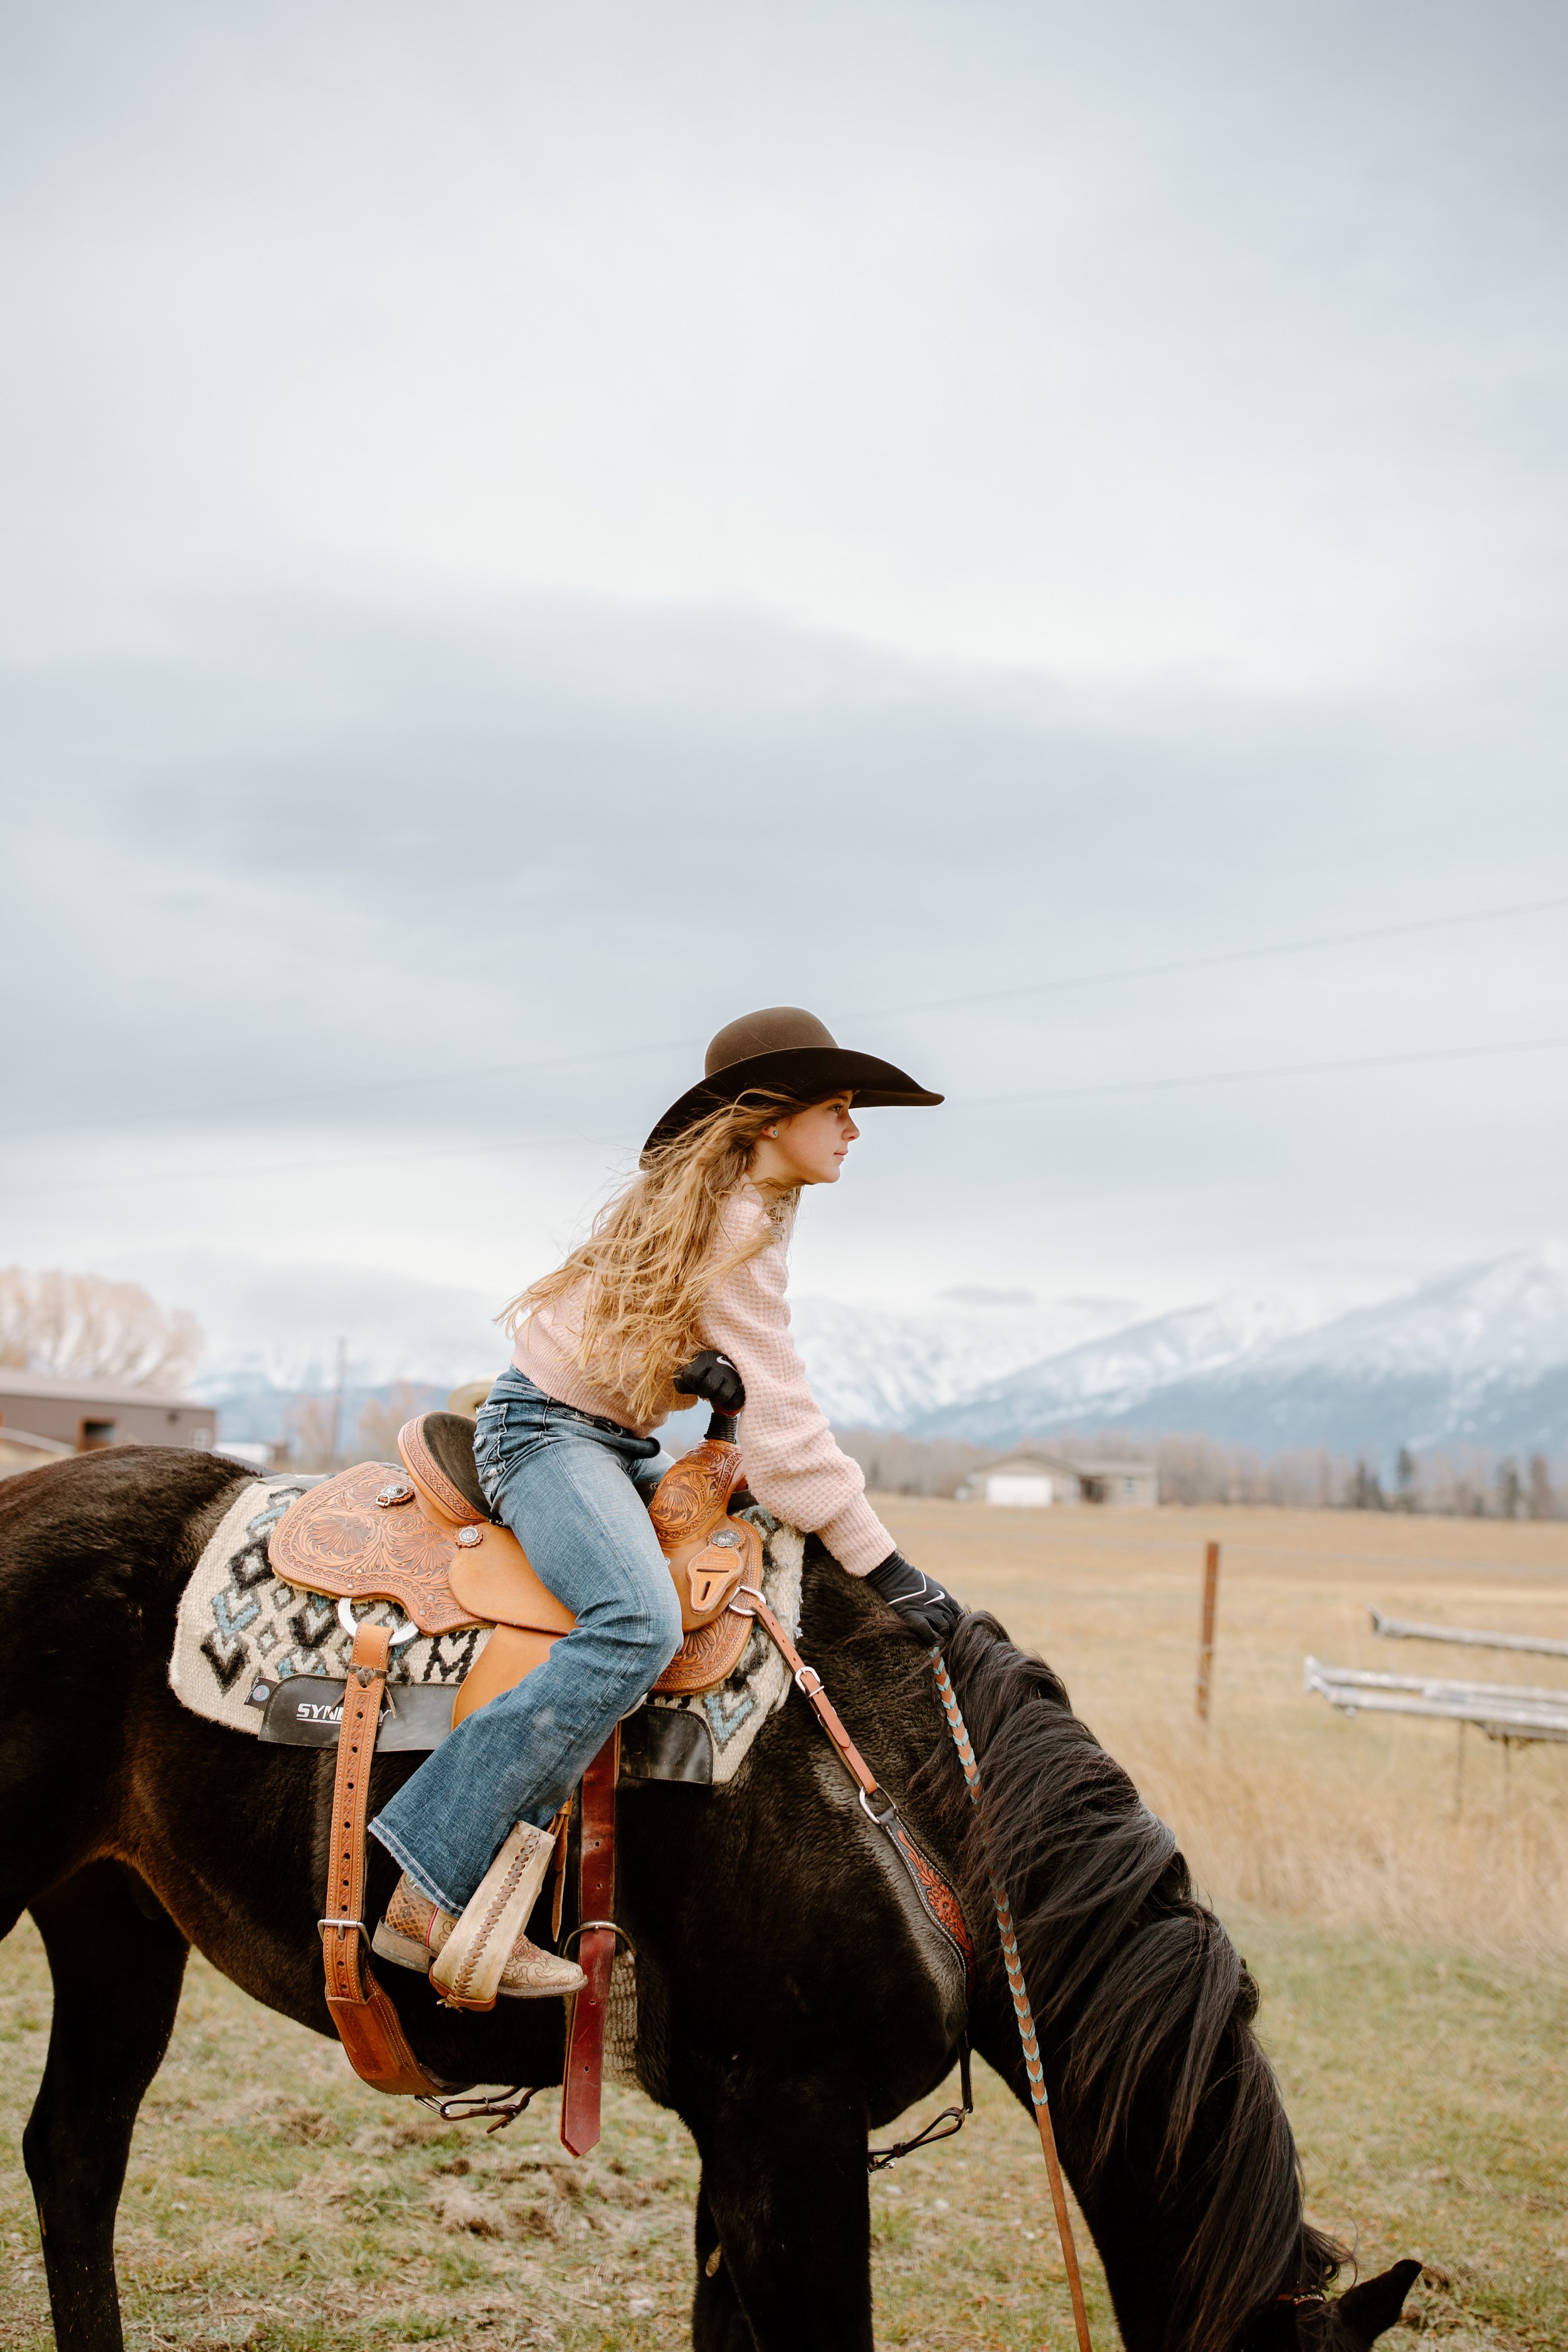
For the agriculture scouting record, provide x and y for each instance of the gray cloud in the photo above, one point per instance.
(525, 835)
(529, 533)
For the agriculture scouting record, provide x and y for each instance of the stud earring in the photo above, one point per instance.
(775, 1133)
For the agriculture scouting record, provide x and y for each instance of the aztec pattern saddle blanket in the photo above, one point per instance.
(241, 1633)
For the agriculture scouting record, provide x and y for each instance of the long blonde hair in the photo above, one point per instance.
(651, 1258)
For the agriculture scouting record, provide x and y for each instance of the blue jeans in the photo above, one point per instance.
(575, 1491)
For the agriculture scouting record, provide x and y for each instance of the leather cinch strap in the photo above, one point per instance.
(584, 2080)
(368, 2026)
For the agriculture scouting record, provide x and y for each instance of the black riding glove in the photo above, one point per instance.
(713, 1378)
(919, 1599)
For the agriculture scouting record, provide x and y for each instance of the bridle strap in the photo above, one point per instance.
(748, 1602)
(937, 1899)
(1027, 2036)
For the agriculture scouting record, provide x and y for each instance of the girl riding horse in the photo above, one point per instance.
(687, 1262)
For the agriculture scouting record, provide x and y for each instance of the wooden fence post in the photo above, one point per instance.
(1206, 1644)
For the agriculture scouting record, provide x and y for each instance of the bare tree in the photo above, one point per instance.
(380, 1421)
(1458, 1484)
(308, 1432)
(80, 1326)
(1543, 1500)
(911, 1465)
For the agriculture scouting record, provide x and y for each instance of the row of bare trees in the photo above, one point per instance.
(316, 1439)
(912, 1465)
(83, 1327)
(1467, 1482)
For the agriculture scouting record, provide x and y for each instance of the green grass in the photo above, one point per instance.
(274, 2201)
(1430, 2096)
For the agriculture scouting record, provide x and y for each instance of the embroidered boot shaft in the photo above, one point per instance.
(485, 1953)
(473, 1963)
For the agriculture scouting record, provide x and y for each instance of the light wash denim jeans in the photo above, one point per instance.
(575, 1491)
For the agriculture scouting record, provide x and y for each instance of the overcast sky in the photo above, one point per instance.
(530, 531)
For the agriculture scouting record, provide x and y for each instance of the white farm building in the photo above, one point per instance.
(1034, 1479)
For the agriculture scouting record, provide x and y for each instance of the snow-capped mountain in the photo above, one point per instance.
(1110, 1377)
(873, 1368)
(1505, 1320)
(1479, 1356)
(1475, 1356)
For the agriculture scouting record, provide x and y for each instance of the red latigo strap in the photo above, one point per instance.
(595, 1936)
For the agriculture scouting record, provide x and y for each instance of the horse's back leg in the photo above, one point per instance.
(784, 2202)
(117, 1974)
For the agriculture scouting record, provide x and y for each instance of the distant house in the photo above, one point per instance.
(1035, 1478)
(84, 1414)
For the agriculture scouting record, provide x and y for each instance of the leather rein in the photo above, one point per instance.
(942, 1907)
(372, 2031)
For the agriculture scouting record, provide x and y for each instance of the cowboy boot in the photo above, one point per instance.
(492, 1954)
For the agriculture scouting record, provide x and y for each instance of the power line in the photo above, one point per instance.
(340, 1092)
(1229, 956)
(964, 1103)
(642, 1049)
(316, 1167)
(1274, 1070)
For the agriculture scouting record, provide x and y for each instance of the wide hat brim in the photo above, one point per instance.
(806, 1073)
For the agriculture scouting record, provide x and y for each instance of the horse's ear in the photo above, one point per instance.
(1377, 2302)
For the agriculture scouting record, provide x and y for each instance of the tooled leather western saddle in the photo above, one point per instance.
(427, 1541)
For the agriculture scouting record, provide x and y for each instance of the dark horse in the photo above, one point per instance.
(791, 1994)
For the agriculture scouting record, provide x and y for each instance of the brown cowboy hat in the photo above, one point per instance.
(786, 1051)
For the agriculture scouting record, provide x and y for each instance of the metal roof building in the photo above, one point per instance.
(84, 1414)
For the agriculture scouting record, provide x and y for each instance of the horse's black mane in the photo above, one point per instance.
(1152, 1999)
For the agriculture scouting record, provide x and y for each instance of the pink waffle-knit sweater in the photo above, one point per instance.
(791, 1464)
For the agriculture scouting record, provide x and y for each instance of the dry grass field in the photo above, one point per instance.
(1413, 1959)
(1358, 1824)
